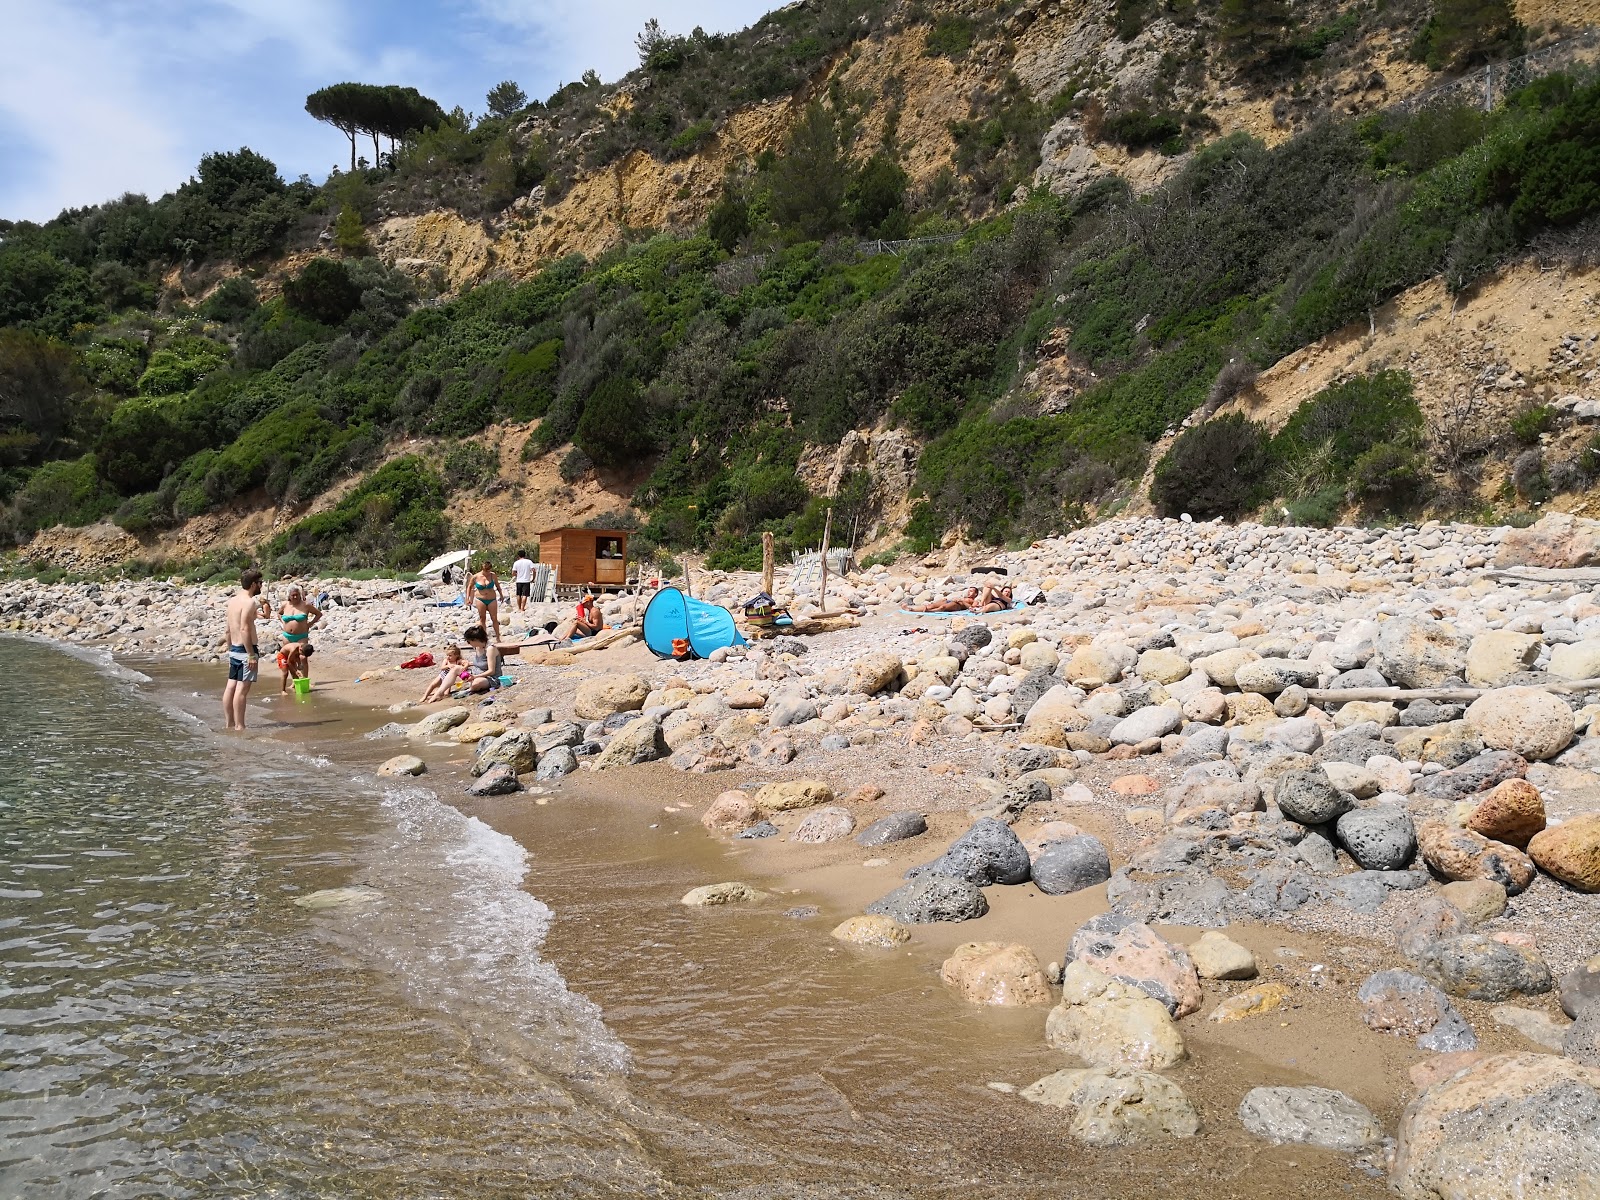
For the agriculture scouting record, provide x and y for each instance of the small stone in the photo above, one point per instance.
(1311, 1116)
(989, 852)
(930, 898)
(1131, 952)
(872, 930)
(827, 824)
(896, 827)
(1310, 798)
(792, 794)
(1408, 1006)
(1580, 987)
(403, 764)
(730, 812)
(1135, 785)
(1252, 1002)
(498, 780)
(1217, 956)
(713, 894)
(1108, 1023)
(1113, 1107)
(1071, 865)
(1537, 1027)
(1379, 838)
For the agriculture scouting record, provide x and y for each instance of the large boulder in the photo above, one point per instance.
(1497, 655)
(1576, 660)
(1555, 540)
(1309, 1116)
(1480, 968)
(1132, 953)
(1417, 652)
(1512, 813)
(1570, 851)
(439, 722)
(1455, 853)
(1070, 865)
(730, 812)
(998, 974)
(1525, 1125)
(1310, 798)
(1528, 721)
(930, 898)
(556, 763)
(1109, 1023)
(1269, 676)
(879, 671)
(514, 748)
(1379, 838)
(606, 695)
(1117, 1107)
(639, 741)
(989, 852)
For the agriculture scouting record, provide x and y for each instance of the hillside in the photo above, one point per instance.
(664, 301)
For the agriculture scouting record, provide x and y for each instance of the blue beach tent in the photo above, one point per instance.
(670, 614)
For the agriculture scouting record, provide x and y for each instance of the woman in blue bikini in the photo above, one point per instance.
(299, 617)
(486, 595)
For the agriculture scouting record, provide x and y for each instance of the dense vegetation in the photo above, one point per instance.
(143, 380)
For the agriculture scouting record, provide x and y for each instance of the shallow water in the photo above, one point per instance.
(172, 1024)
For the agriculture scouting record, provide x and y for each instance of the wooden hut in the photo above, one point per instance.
(586, 558)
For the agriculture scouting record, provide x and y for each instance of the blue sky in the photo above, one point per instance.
(101, 97)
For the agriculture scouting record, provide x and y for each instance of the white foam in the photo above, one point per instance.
(463, 936)
(100, 659)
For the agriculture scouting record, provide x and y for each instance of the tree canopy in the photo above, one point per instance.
(387, 110)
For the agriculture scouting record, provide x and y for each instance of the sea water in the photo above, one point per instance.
(173, 1024)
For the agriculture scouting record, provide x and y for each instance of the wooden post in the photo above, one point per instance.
(766, 563)
(827, 532)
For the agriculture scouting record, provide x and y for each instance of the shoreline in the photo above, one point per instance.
(798, 710)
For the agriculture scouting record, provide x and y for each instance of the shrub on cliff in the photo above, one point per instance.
(1214, 469)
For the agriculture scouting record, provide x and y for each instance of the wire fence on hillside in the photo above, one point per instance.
(1488, 86)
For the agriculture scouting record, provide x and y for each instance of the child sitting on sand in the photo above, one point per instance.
(455, 671)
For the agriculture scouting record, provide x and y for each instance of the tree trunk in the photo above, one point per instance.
(827, 532)
(766, 563)
(351, 134)
(377, 153)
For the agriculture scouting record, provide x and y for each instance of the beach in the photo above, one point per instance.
(751, 1016)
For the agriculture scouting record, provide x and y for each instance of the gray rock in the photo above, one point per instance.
(1027, 758)
(568, 733)
(1474, 776)
(1422, 713)
(1020, 795)
(975, 636)
(834, 742)
(1580, 988)
(1308, 797)
(1435, 918)
(830, 823)
(514, 748)
(1300, 734)
(1310, 1116)
(1480, 968)
(1361, 677)
(930, 898)
(989, 852)
(896, 827)
(1380, 838)
(1407, 1005)
(1417, 652)
(1201, 901)
(1204, 743)
(1153, 721)
(640, 741)
(784, 711)
(1354, 746)
(1033, 686)
(498, 780)
(1269, 676)
(1071, 866)
(1581, 1042)
(761, 829)
(1317, 851)
(556, 762)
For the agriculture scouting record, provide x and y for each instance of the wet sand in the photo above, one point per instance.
(770, 1060)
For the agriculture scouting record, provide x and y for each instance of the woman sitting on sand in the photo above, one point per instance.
(485, 660)
(965, 604)
(486, 595)
(454, 672)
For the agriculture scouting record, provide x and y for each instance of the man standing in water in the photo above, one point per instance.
(244, 654)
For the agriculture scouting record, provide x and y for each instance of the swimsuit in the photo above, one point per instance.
(240, 669)
(289, 635)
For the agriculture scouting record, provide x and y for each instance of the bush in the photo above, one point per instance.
(64, 492)
(1214, 469)
(1461, 32)
(1320, 509)
(1138, 128)
(574, 465)
(394, 518)
(950, 37)
(323, 291)
(1388, 472)
(1341, 423)
(467, 464)
(1528, 424)
(614, 429)
(233, 300)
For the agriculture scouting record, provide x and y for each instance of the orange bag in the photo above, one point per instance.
(680, 648)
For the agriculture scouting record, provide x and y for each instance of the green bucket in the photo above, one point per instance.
(302, 687)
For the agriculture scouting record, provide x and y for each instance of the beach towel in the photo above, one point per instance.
(422, 660)
(911, 612)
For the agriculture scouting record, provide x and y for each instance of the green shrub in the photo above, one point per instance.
(950, 37)
(1341, 423)
(181, 364)
(1460, 32)
(614, 429)
(1388, 473)
(1138, 128)
(394, 518)
(1319, 509)
(1214, 469)
(323, 291)
(575, 464)
(1528, 424)
(233, 300)
(64, 492)
(467, 465)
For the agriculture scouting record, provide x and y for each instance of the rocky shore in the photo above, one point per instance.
(1381, 736)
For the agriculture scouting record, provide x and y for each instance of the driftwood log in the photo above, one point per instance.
(1589, 575)
(1448, 695)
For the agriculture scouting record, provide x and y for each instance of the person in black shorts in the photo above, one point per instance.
(522, 574)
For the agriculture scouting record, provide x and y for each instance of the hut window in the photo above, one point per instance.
(608, 548)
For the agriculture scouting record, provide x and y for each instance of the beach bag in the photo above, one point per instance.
(422, 660)
(761, 612)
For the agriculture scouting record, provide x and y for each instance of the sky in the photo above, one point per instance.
(102, 97)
